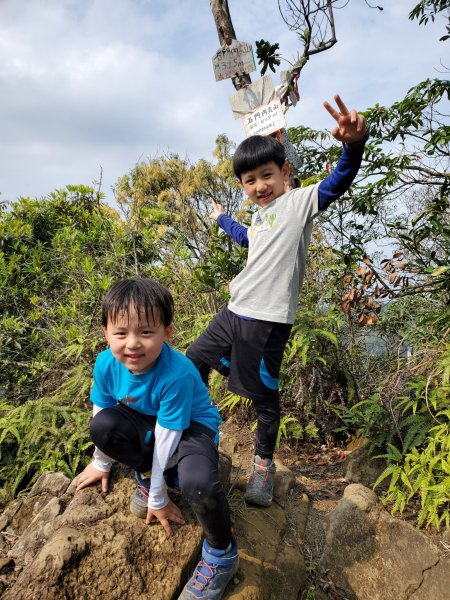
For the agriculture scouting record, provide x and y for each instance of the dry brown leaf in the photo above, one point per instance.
(347, 279)
(345, 306)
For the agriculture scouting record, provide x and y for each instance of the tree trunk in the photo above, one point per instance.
(226, 33)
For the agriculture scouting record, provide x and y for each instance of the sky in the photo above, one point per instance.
(90, 88)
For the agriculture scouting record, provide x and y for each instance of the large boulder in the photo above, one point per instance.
(373, 556)
(58, 544)
(87, 545)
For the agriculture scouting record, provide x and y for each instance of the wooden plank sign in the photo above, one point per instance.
(233, 60)
(265, 119)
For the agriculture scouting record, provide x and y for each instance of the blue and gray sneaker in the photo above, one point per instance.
(212, 574)
(139, 500)
(260, 484)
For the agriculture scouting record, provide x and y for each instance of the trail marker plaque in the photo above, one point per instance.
(233, 60)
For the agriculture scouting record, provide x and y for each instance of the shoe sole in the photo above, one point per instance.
(253, 499)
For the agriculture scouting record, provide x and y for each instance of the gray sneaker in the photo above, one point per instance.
(139, 500)
(260, 484)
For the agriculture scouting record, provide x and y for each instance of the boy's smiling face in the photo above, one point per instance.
(135, 341)
(265, 183)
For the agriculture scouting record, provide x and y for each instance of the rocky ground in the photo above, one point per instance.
(323, 537)
(321, 476)
(317, 488)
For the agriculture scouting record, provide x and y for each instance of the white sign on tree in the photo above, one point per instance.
(233, 60)
(265, 119)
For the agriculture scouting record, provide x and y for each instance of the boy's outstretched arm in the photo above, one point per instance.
(351, 130)
(98, 469)
(232, 228)
(159, 504)
(351, 126)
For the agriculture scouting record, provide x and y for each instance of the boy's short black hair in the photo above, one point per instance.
(256, 151)
(146, 296)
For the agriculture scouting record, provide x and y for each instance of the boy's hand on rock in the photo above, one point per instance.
(90, 475)
(217, 211)
(170, 512)
(351, 125)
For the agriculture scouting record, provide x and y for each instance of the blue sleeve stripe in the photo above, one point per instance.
(234, 230)
(340, 180)
(266, 378)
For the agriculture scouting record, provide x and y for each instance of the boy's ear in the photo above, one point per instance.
(286, 170)
(168, 332)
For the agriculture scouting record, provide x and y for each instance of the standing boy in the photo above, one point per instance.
(246, 340)
(153, 412)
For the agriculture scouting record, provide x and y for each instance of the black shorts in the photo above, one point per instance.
(248, 352)
(127, 436)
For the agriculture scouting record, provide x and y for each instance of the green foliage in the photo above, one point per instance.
(427, 10)
(307, 333)
(231, 401)
(38, 437)
(267, 55)
(420, 467)
(291, 428)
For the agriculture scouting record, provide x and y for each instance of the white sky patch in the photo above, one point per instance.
(94, 84)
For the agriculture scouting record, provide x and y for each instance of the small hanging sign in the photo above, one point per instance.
(233, 60)
(265, 119)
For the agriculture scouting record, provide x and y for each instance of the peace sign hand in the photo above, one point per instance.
(351, 125)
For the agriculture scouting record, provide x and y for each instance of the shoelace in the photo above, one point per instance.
(260, 468)
(144, 490)
(200, 585)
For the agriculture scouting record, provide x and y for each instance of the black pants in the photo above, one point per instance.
(249, 353)
(127, 436)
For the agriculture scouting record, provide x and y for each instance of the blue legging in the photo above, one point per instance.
(126, 436)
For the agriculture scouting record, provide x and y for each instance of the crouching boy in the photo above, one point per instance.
(153, 412)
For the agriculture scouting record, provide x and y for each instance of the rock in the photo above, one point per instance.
(300, 516)
(283, 484)
(227, 444)
(54, 484)
(88, 545)
(360, 467)
(225, 466)
(373, 556)
(271, 565)
(446, 537)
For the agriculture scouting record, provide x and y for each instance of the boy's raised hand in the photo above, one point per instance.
(217, 211)
(351, 125)
(170, 512)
